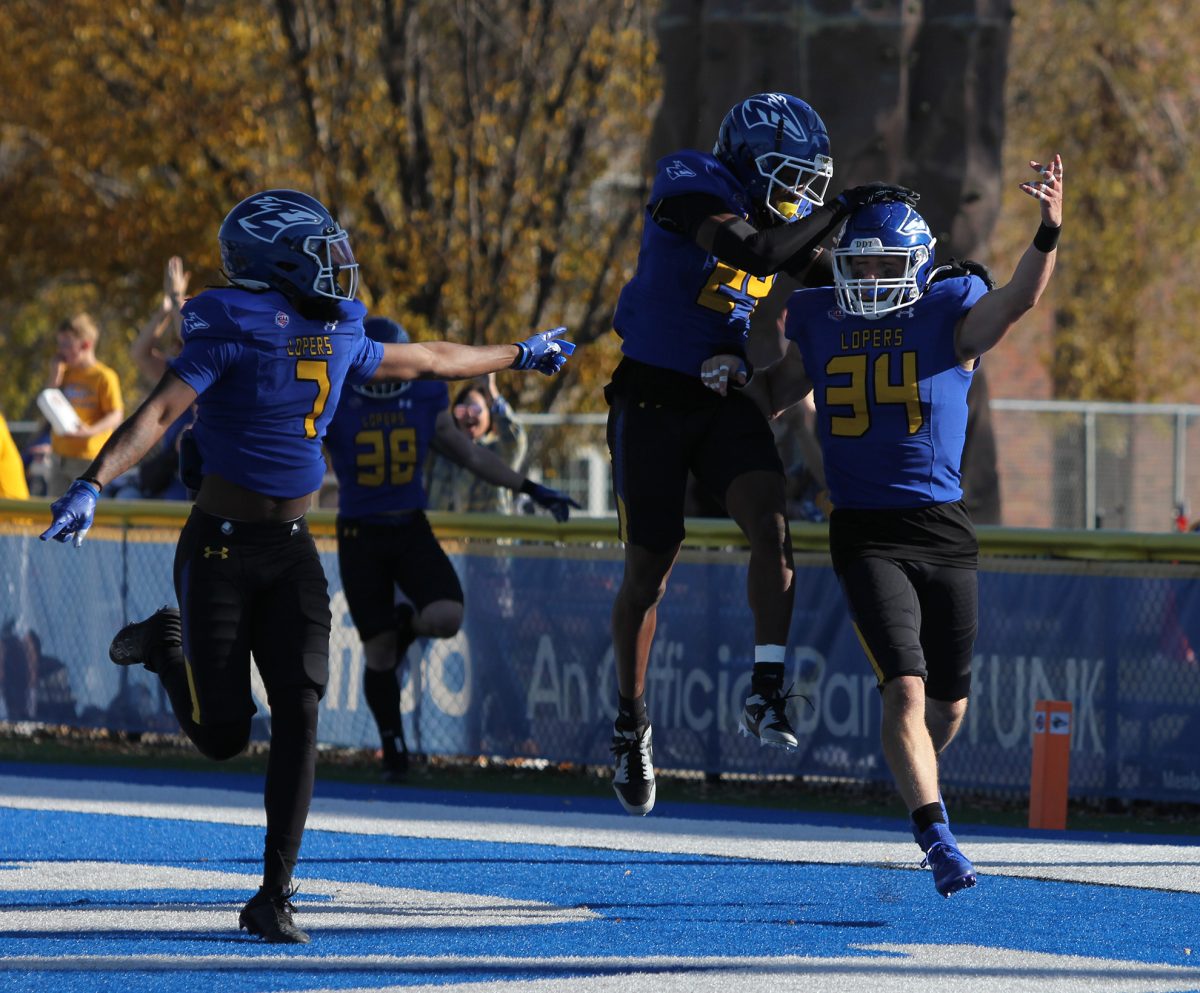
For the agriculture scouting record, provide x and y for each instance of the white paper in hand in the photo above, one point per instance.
(57, 409)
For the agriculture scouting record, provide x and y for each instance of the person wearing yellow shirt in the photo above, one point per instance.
(93, 390)
(12, 470)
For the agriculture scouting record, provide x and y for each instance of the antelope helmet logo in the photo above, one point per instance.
(275, 217)
(771, 110)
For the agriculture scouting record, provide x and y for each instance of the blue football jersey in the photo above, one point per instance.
(683, 305)
(268, 382)
(891, 396)
(377, 446)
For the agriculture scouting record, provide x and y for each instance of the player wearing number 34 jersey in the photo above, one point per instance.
(889, 354)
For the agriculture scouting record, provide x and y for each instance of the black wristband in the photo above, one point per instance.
(91, 480)
(527, 487)
(1046, 239)
(522, 352)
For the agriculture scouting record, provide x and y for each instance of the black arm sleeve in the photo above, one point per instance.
(740, 244)
(814, 270)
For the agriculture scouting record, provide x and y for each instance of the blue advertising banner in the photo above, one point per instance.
(531, 672)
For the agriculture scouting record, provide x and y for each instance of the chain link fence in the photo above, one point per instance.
(1109, 466)
(531, 673)
(1062, 464)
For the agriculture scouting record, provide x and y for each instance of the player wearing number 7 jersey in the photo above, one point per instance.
(265, 361)
(889, 354)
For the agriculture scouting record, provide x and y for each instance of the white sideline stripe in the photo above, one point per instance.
(1143, 865)
(347, 905)
(888, 969)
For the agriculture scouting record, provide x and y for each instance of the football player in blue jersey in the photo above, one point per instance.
(377, 443)
(717, 229)
(264, 360)
(889, 354)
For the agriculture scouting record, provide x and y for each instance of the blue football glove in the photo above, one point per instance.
(543, 352)
(73, 513)
(559, 504)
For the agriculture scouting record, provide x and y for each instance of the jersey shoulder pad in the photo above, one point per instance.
(689, 171)
(208, 315)
(353, 311)
(961, 291)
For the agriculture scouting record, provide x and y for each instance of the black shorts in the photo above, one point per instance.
(915, 618)
(249, 589)
(663, 425)
(375, 558)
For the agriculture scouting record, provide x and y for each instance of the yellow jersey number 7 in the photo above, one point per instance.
(317, 372)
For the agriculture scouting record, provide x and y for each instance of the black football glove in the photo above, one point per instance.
(854, 197)
(967, 267)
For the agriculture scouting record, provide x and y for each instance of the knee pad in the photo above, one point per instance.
(222, 741)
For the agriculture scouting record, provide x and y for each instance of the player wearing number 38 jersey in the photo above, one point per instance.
(377, 443)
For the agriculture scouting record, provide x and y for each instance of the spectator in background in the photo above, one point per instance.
(485, 417)
(36, 687)
(12, 469)
(92, 389)
(160, 337)
(158, 341)
(377, 442)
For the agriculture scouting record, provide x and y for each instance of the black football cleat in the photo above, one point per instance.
(269, 916)
(142, 641)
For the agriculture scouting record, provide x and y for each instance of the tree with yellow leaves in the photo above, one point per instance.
(485, 156)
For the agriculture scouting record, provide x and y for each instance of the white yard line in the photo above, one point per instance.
(1128, 863)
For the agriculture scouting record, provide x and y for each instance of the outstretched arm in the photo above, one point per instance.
(488, 466)
(72, 513)
(483, 462)
(545, 351)
(990, 319)
(137, 435)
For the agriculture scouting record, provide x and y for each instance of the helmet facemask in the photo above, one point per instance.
(874, 297)
(337, 272)
(794, 186)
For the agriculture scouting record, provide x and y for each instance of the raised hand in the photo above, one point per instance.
(72, 513)
(175, 283)
(555, 501)
(853, 197)
(544, 352)
(1048, 190)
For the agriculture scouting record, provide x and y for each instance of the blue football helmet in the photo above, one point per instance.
(778, 148)
(889, 230)
(387, 332)
(287, 241)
